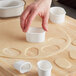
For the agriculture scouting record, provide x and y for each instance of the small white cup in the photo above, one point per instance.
(23, 66)
(57, 14)
(35, 34)
(11, 8)
(44, 68)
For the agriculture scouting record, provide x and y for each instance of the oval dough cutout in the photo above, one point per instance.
(73, 54)
(49, 50)
(11, 52)
(32, 52)
(63, 63)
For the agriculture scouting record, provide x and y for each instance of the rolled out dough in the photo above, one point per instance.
(73, 54)
(63, 63)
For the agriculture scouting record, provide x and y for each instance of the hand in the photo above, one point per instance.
(39, 7)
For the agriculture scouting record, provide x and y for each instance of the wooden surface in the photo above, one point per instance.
(60, 40)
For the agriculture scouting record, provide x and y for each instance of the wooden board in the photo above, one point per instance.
(60, 40)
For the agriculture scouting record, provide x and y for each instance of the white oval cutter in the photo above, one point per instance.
(11, 8)
(35, 34)
(57, 14)
(23, 66)
(44, 68)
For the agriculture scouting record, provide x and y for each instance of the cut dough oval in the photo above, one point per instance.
(50, 50)
(63, 63)
(10, 52)
(73, 54)
(32, 52)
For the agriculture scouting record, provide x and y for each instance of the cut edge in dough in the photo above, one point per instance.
(72, 54)
(63, 63)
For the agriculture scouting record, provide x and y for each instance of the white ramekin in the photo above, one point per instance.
(35, 34)
(23, 66)
(57, 15)
(11, 8)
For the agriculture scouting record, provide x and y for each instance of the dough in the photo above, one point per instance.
(32, 52)
(63, 63)
(73, 54)
(74, 43)
(10, 52)
(53, 75)
(72, 74)
(16, 39)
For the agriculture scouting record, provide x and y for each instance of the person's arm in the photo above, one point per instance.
(39, 7)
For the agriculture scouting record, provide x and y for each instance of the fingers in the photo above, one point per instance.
(25, 22)
(29, 14)
(23, 17)
(45, 21)
(29, 19)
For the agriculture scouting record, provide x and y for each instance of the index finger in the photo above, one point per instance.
(24, 16)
